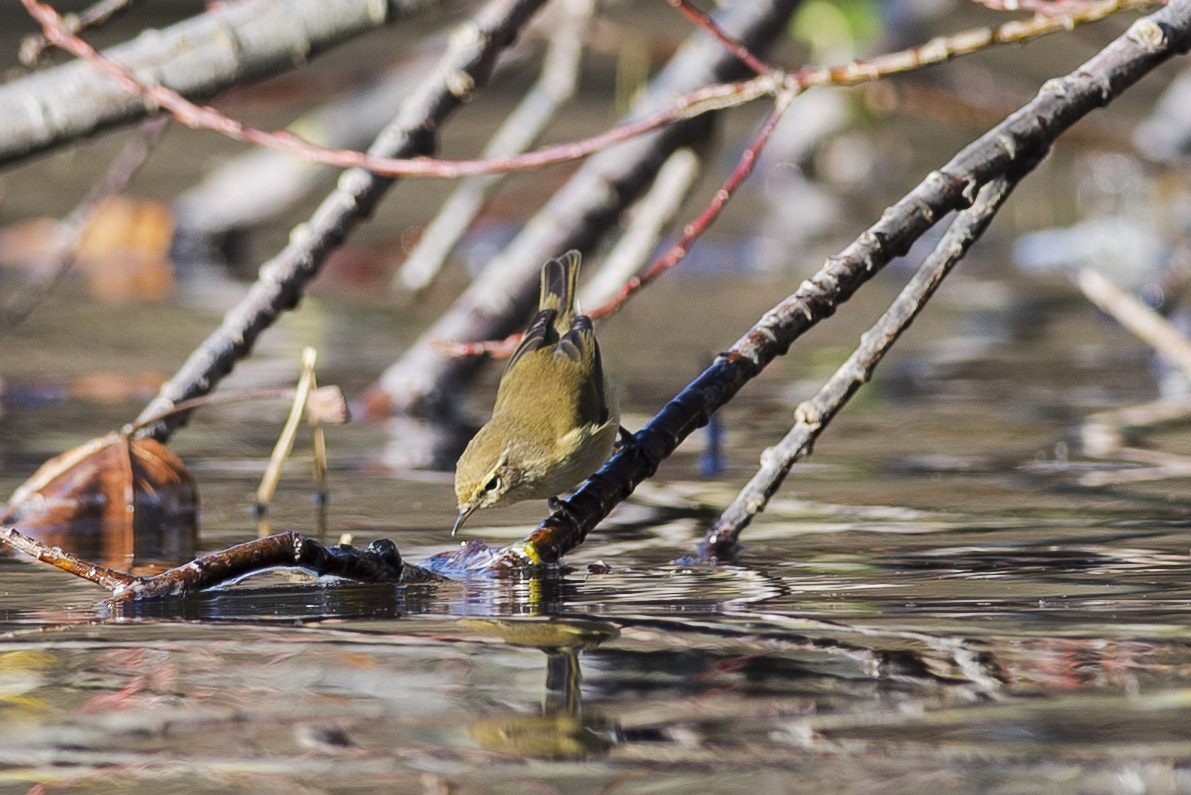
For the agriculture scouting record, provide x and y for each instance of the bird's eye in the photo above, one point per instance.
(494, 484)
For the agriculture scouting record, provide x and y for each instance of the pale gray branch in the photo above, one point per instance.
(231, 43)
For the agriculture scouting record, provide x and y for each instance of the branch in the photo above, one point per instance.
(554, 87)
(378, 562)
(197, 57)
(426, 378)
(744, 167)
(1023, 137)
(283, 278)
(813, 416)
(1146, 324)
(705, 100)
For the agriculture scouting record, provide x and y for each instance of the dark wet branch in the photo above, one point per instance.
(378, 562)
(426, 377)
(1024, 137)
(197, 57)
(721, 540)
(283, 278)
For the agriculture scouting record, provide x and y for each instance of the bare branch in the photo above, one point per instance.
(284, 277)
(197, 58)
(426, 379)
(1024, 137)
(814, 415)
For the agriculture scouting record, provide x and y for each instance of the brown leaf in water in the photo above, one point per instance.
(115, 500)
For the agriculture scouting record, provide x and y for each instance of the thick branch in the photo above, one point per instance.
(231, 43)
(1023, 137)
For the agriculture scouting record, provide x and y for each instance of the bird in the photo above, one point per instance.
(555, 420)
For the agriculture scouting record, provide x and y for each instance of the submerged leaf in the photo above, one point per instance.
(114, 499)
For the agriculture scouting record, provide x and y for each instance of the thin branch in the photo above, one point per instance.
(1037, 6)
(59, 558)
(732, 45)
(813, 415)
(945, 48)
(285, 439)
(1150, 327)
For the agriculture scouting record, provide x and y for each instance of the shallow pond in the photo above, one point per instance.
(932, 600)
(950, 594)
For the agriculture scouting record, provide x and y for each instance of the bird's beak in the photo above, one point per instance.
(464, 512)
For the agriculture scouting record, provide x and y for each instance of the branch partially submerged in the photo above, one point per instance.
(813, 415)
(1023, 138)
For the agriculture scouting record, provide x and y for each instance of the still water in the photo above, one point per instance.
(933, 600)
(942, 598)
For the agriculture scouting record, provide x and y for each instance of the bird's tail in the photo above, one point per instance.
(559, 279)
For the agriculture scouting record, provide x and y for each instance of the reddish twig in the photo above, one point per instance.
(704, 100)
(695, 103)
(733, 46)
(497, 349)
(691, 231)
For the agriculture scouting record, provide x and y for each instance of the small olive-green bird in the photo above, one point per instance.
(555, 420)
